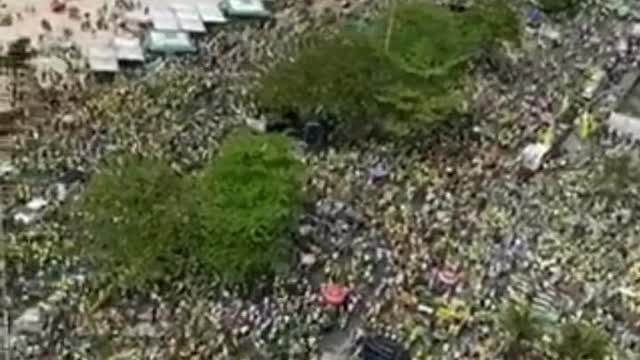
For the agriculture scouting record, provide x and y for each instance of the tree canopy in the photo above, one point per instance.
(138, 212)
(250, 197)
(408, 68)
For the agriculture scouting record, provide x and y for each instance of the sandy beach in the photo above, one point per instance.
(29, 17)
(100, 18)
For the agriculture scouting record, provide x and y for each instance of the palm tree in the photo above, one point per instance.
(523, 327)
(581, 341)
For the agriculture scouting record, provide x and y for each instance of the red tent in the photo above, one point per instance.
(334, 294)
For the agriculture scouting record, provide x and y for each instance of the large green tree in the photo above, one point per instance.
(407, 69)
(250, 197)
(581, 341)
(138, 212)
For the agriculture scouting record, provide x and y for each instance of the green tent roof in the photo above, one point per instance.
(169, 42)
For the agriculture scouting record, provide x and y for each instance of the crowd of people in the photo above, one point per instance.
(429, 239)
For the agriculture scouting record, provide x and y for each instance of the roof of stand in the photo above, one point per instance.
(128, 49)
(164, 19)
(188, 18)
(103, 59)
(169, 42)
(210, 12)
(245, 8)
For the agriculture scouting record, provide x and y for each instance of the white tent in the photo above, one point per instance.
(164, 19)
(169, 42)
(188, 18)
(210, 12)
(128, 49)
(103, 59)
(244, 8)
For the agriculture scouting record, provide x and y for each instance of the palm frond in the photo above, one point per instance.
(579, 340)
(522, 323)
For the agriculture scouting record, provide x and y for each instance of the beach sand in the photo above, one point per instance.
(28, 16)
(32, 13)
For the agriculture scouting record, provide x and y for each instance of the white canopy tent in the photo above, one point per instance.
(163, 19)
(128, 49)
(103, 59)
(244, 8)
(169, 42)
(210, 12)
(188, 18)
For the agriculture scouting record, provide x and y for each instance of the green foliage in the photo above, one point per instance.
(145, 220)
(342, 85)
(417, 80)
(494, 20)
(138, 213)
(580, 341)
(573, 341)
(250, 198)
(428, 41)
(522, 325)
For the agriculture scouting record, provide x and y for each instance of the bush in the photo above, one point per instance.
(250, 198)
(414, 82)
(138, 213)
(581, 341)
(523, 327)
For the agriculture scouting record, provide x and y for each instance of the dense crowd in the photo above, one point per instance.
(430, 238)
